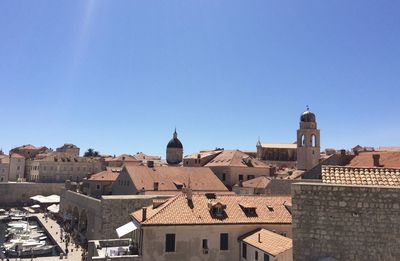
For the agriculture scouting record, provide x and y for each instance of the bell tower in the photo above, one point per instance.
(308, 141)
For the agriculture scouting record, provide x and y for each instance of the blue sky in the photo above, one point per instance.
(118, 76)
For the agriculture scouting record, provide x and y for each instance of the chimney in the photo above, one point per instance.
(342, 152)
(150, 164)
(144, 214)
(376, 158)
(189, 194)
(259, 238)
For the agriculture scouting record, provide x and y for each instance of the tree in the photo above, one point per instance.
(91, 153)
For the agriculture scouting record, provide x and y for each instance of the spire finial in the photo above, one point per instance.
(175, 134)
(307, 108)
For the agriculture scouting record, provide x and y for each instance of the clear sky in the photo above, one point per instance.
(118, 76)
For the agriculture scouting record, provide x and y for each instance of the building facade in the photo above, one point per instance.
(205, 227)
(59, 167)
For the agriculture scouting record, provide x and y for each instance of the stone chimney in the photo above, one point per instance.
(376, 158)
(144, 214)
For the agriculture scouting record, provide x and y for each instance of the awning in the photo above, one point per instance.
(49, 199)
(126, 229)
(54, 208)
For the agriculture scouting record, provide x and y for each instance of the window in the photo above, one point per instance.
(205, 244)
(266, 257)
(98, 186)
(256, 255)
(223, 241)
(244, 250)
(250, 177)
(17, 167)
(240, 177)
(170, 243)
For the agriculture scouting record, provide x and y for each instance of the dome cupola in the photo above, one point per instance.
(175, 142)
(307, 116)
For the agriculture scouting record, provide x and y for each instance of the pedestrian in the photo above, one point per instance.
(66, 252)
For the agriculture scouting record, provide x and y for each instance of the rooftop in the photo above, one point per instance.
(267, 241)
(388, 159)
(181, 211)
(360, 176)
(174, 178)
(235, 158)
(279, 145)
(272, 186)
(108, 175)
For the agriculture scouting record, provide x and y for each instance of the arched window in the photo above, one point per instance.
(303, 140)
(313, 141)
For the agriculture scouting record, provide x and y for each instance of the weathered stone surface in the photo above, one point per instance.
(18, 194)
(345, 222)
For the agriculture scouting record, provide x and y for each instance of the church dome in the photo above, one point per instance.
(307, 116)
(175, 143)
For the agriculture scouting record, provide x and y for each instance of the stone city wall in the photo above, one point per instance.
(345, 222)
(103, 215)
(18, 194)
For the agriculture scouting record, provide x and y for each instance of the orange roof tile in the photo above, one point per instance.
(179, 211)
(259, 182)
(235, 158)
(267, 241)
(108, 175)
(388, 159)
(16, 155)
(171, 178)
(361, 176)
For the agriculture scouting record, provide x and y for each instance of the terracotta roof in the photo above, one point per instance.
(388, 159)
(108, 175)
(279, 145)
(123, 157)
(392, 148)
(16, 155)
(267, 241)
(360, 176)
(173, 178)
(27, 147)
(203, 154)
(259, 182)
(235, 158)
(179, 211)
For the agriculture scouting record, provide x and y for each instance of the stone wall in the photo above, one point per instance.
(103, 215)
(345, 222)
(18, 194)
